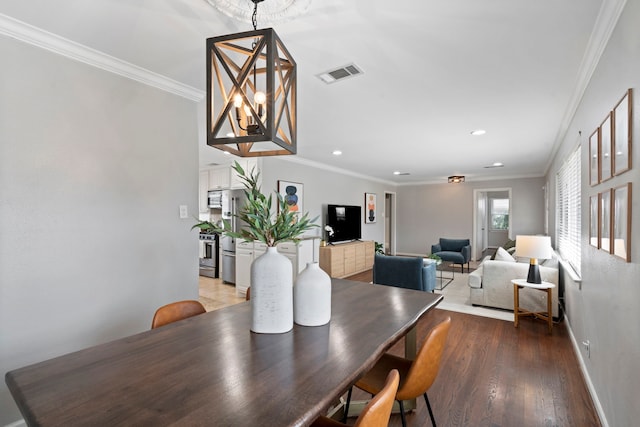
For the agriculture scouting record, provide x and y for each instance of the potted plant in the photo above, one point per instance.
(271, 273)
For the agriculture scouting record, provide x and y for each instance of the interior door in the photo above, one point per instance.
(481, 228)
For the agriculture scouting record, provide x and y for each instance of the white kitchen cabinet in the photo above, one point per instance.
(219, 178)
(244, 258)
(299, 254)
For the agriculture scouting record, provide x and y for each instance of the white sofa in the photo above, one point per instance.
(490, 285)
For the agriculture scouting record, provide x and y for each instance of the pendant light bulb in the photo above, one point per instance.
(260, 98)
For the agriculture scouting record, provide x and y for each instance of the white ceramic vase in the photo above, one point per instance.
(312, 296)
(271, 293)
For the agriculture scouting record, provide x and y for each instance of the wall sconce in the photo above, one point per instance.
(251, 94)
(455, 179)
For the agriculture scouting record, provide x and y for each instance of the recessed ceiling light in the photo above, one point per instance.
(478, 132)
(400, 173)
(396, 173)
(337, 153)
(498, 164)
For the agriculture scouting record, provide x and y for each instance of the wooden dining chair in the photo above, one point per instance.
(247, 296)
(176, 311)
(416, 376)
(377, 411)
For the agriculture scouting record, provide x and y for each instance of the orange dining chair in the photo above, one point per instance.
(377, 411)
(416, 376)
(176, 311)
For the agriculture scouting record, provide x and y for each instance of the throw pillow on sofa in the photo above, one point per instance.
(503, 255)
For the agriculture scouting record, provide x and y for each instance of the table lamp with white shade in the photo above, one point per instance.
(535, 248)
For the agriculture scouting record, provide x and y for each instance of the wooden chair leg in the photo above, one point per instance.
(433, 420)
(404, 421)
(346, 408)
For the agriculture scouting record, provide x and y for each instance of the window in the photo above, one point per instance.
(499, 214)
(568, 220)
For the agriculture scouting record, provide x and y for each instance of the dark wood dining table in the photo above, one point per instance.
(211, 370)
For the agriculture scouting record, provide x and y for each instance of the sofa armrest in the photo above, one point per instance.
(466, 253)
(429, 277)
(436, 248)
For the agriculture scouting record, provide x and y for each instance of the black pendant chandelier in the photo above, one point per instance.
(251, 93)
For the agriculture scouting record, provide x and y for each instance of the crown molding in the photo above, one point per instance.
(606, 22)
(37, 37)
(323, 166)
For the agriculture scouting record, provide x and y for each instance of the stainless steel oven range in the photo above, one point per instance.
(209, 264)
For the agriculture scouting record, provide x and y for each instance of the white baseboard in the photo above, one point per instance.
(19, 423)
(585, 374)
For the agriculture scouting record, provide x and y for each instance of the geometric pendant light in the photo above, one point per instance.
(251, 94)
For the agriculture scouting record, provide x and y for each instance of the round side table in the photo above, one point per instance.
(518, 312)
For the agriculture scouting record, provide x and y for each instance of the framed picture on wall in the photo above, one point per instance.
(605, 157)
(622, 121)
(594, 152)
(594, 223)
(605, 221)
(293, 195)
(370, 203)
(621, 218)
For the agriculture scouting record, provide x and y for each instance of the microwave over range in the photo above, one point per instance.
(215, 199)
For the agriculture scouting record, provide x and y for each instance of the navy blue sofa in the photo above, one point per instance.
(457, 251)
(404, 272)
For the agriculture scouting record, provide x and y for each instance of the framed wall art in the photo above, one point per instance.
(594, 223)
(371, 206)
(594, 152)
(621, 218)
(622, 131)
(605, 221)
(293, 194)
(605, 157)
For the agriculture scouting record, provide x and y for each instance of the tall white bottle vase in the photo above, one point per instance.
(271, 293)
(312, 296)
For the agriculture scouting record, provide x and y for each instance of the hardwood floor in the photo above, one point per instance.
(493, 374)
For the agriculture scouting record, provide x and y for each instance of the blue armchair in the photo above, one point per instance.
(404, 272)
(457, 251)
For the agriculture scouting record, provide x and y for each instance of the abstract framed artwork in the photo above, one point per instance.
(594, 152)
(622, 131)
(594, 223)
(371, 207)
(605, 157)
(605, 221)
(293, 195)
(621, 218)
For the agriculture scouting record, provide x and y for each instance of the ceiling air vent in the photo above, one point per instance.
(341, 73)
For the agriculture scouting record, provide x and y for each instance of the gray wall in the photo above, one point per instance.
(93, 168)
(428, 212)
(605, 310)
(323, 187)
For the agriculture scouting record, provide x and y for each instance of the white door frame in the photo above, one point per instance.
(390, 221)
(476, 193)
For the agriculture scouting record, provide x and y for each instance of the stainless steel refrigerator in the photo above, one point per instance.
(232, 202)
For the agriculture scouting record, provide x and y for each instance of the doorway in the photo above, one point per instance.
(389, 223)
(492, 210)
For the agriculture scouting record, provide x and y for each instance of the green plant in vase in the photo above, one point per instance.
(271, 272)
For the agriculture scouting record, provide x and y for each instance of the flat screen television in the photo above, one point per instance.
(345, 221)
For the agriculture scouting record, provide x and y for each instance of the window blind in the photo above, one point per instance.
(568, 221)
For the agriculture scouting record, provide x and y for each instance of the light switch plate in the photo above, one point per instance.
(184, 212)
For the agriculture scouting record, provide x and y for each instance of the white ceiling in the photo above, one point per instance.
(433, 72)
